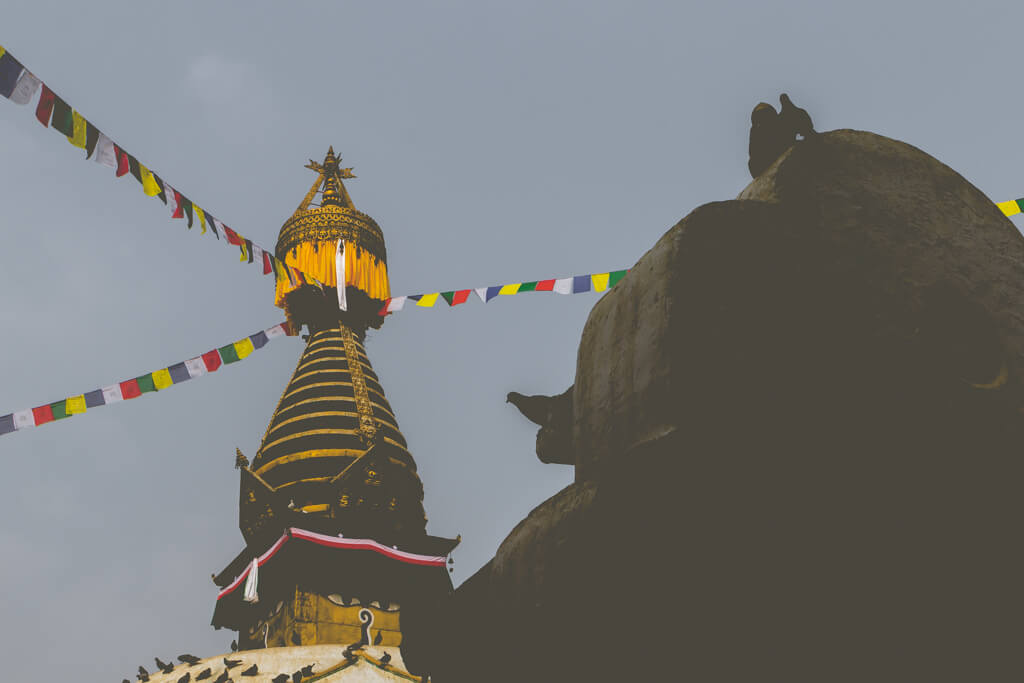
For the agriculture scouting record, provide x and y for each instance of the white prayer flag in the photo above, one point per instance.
(482, 293)
(563, 286)
(172, 198)
(396, 303)
(23, 419)
(112, 394)
(275, 331)
(196, 367)
(252, 581)
(104, 153)
(339, 271)
(25, 89)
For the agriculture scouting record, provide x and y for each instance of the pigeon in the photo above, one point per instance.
(234, 646)
(191, 660)
(231, 663)
(204, 674)
(794, 118)
(251, 671)
(307, 670)
(125, 680)
(166, 668)
(143, 674)
(378, 638)
(280, 678)
(186, 678)
(384, 660)
(223, 678)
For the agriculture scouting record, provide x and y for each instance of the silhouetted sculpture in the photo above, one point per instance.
(768, 138)
(793, 118)
(554, 415)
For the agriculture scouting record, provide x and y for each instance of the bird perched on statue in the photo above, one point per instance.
(231, 663)
(204, 674)
(384, 660)
(234, 646)
(251, 671)
(306, 670)
(280, 678)
(542, 410)
(143, 674)
(186, 678)
(223, 678)
(768, 138)
(794, 118)
(166, 668)
(186, 658)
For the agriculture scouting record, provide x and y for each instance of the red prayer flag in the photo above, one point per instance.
(42, 414)
(232, 236)
(130, 389)
(545, 286)
(212, 360)
(45, 107)
(460, 296)
(267, 269)
(179, 212)
(384, 311)
(123, 166)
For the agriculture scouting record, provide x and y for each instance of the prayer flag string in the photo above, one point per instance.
(594, 282)
(137, 386)
(19, 85)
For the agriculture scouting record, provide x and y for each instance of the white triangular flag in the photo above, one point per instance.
(196, 367)
(396, 303)
(26, 88)
(275, 331)
(339, 271)
(112, 394)
(104, 153)
(563, 286)
(252, 581)
(482, 293)
(24, 419)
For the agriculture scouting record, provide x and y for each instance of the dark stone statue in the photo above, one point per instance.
(772, 133)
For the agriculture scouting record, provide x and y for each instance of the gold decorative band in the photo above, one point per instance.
(331, 223)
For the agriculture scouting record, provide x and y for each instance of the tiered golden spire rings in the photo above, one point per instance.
(329, 175)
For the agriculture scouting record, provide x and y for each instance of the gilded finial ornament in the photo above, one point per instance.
(240, 460)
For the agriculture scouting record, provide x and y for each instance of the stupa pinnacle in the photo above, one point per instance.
(331, 507)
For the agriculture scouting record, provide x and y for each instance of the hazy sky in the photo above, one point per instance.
(494, 142)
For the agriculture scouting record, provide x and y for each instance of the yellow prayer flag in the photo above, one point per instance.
(508, 290)
(75, 405)
(77, 137)
(1010, 208)
(201, 215)
(245, 255)
(428, 299)
(243, 347)
(600, 281)
(2, 50)
(162, 379)
(149, 186)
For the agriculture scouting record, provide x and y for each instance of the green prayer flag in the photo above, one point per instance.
(615, 276)
(1020, 204)
(146, 382)
(449, 296)
(62, 120)
(59, 410)
(228, 353)
(528, 286)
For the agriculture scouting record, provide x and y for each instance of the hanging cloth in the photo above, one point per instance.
(339, 271)
(252, 581)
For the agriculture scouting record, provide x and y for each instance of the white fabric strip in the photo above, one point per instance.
(275, 331)
(25, 89)
(252, 582)
(482, 293)
(339, 271)
(396, 303)
(563, 286)
(104, 153)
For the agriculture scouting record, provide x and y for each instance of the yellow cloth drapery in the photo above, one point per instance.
(363, 270)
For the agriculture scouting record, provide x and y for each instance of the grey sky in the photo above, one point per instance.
(494, 142)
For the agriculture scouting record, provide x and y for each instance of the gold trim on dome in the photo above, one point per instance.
(307, 416)
(310, 480)
(331, 223)
(312, 432)
(367, 422)
(309, 455)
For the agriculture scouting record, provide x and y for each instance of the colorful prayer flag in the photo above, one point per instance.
(105, 153)
(75, 405)
(186, 204)
(428, 300)
(228, 353)
(212, 360)
(267, 267)
(243, 347)
(92, 136)
(112, 394)
(26, 88)
(179, 373)
(42, 414)
(7, 423)
(77, 137)
(177, 211)
(23, 419)
(1009, 208)
(196, 367)
(258, 340)
(545, 285)
(599, 281)
(580, 283)
(59, 409)
(395, 304)
(62, 120)
(201, 215)
(145, 383)
(162, 379)
(149, 186)
(528, 287)
(460, 297)
(123, 166)
(135, 168)
(94, 398)
(275, 331)
(45, 107)
(449, 296)
(615, 276)
(482, 293)
(10, 71)
(509, 290)
(563, 285)
(130, 389)
(492, 292)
